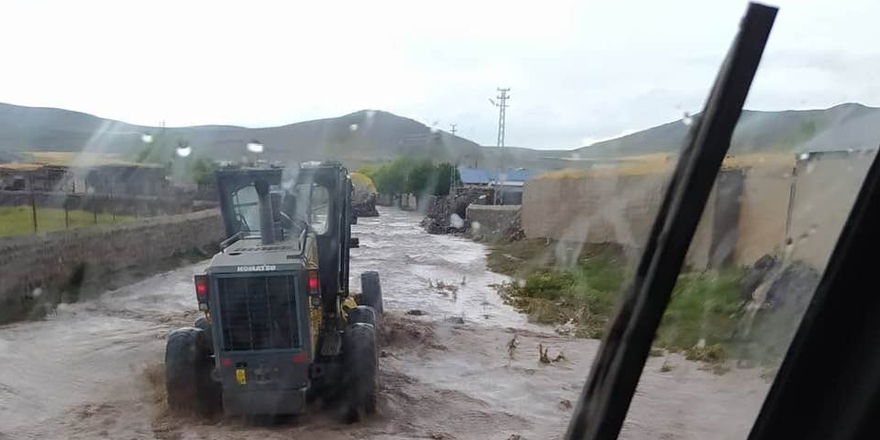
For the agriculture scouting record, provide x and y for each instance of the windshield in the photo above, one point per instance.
(462, 199)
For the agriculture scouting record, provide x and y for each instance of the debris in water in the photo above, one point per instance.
(511, 347)
(455, 319)
(416, 312)
(544, 357)
(565, 404)
(542, 354)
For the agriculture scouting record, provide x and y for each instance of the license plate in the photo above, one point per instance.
(241, 376)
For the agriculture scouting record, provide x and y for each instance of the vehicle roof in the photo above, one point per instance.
(250, 255)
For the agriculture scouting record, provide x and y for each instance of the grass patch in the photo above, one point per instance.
(18, 220)
(580, 289)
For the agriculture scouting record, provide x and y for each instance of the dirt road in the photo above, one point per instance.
(93, 370)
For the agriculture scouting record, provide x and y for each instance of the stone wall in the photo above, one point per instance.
(491, 221)
(55, 261)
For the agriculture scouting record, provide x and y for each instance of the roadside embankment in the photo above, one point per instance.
(37, 271)
(745, 314)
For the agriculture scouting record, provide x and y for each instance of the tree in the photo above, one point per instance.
(421, 178)
(446, 174)
(203, 170)
(406, 175)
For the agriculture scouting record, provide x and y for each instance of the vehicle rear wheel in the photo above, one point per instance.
(205, 325)
(362, 314)
(188, 366)
(361, 359)
(371, 291)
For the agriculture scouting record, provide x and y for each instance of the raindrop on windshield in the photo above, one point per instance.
(147, 138)
(804, 156)
(687, 119)
(255, 147)
(353, 127)
(184, 151)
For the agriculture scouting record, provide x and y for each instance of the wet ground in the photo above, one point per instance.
(93, 370)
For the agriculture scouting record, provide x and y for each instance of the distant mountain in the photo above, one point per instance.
(846, 126)
(372, 136)
(366, 136)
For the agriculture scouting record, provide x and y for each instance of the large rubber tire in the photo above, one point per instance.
(371, 291)
(362, 314)
(361, 362)
(188, 366)
(205, 325)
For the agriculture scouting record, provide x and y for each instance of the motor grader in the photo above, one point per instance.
(280, 326)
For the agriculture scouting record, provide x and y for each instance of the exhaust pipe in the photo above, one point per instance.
(267, 222)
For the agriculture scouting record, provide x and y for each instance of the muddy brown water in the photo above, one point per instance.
(93, 369)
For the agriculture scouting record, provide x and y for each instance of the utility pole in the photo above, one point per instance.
(453, 185)
(502, 98)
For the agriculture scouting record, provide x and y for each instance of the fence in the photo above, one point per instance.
(32, 212)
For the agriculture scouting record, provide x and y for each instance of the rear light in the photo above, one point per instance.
(226, 362)
(314, 283)
(300, 358)
(202, 288)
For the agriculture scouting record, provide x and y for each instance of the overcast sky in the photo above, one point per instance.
(579, 70)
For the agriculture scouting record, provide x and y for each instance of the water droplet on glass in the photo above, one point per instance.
(434, 129)
(786, 175)
(255, 147)
(147, 138)
(371, 113)
(184, 151)
(37, 292)
(353, 127)
(575, 155)
(804, 156)
(687, 119)
(813, 229)
(456, 221)
(850, 150)
(475, 226)
(810, 167)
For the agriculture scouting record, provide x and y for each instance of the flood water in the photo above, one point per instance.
(83, 372)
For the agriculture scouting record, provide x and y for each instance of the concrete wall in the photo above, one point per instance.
(805, 201)
(826, 187)
(50, 260)
(764, 214)
(603, 209)
(493, 220)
